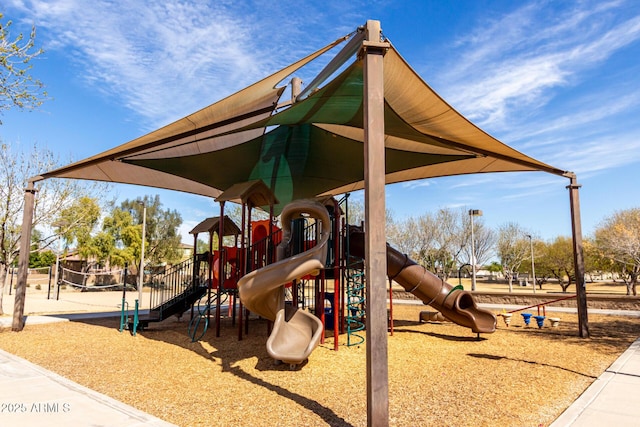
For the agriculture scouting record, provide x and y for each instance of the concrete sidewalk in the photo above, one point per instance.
(74, 302)
(33, 396)
(612, 399)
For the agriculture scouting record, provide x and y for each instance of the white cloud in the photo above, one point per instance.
(605, 152)
(164, 60)
(411, 185)
(514, 63)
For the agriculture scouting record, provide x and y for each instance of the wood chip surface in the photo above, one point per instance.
(440, 374)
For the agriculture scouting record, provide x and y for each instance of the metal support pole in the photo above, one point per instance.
(578, 256)
(473, 255)
(373, 50)
(55, 279)
(220, 270)
(533, 264)
(23, 258)
(472, 213)
(136, 319)
(144, 232)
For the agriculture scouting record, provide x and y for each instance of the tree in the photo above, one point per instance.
(555, 259)
(542, 268)
(513, 249)
(494, 267)
(162, 237)
(17, 87)
(120, 241)
(40, 259)
(76, 223)
(483, 236)
(441, 242)
(449, 239)
(596, 261)
(618, 237)
(52, 197)
(404, 236)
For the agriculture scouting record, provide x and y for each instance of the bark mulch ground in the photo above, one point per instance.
(440, 374)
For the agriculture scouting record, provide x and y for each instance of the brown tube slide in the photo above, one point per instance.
(455, 304)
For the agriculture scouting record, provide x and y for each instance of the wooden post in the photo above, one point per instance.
(578, 257)
(372, 52)
(23, 259)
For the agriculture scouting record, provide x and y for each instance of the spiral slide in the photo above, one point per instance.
(296, 332)
(455, 304)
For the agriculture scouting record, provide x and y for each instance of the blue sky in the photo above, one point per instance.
(557, 80)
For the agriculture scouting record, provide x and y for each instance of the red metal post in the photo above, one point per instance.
(243, 265)
(220, 264)
(336, 271)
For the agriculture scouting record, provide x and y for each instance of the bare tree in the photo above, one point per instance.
(513, 249)
(17, 87)
(484, 239)
(618, 237)
(53, 197)
(405, 236)
(441, 242)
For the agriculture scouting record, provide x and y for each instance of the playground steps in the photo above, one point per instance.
(176, 305)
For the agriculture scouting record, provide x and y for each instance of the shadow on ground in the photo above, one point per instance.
(494, 357)
(228, 350)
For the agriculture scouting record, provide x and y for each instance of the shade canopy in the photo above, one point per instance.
(313, 146)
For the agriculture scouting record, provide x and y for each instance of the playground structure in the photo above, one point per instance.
(306, 278)
(375, 123)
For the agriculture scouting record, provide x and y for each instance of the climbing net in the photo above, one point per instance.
(92, 279)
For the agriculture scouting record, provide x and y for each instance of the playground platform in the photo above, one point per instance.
(611, 399)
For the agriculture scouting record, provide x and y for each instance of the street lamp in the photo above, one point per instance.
(533, 267)
(472, 213)
(141, 271)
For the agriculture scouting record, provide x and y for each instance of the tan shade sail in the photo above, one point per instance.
(313, 147)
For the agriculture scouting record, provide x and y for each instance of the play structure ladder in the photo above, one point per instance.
(355, 285)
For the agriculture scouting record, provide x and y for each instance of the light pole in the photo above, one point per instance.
(141, 271)
(533, 266)
(472, 213)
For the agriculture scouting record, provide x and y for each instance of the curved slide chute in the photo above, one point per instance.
(455, 304)
(296, 332)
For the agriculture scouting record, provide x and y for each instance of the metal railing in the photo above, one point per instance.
(178, 281)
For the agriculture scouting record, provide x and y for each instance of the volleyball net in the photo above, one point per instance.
(92, 279)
